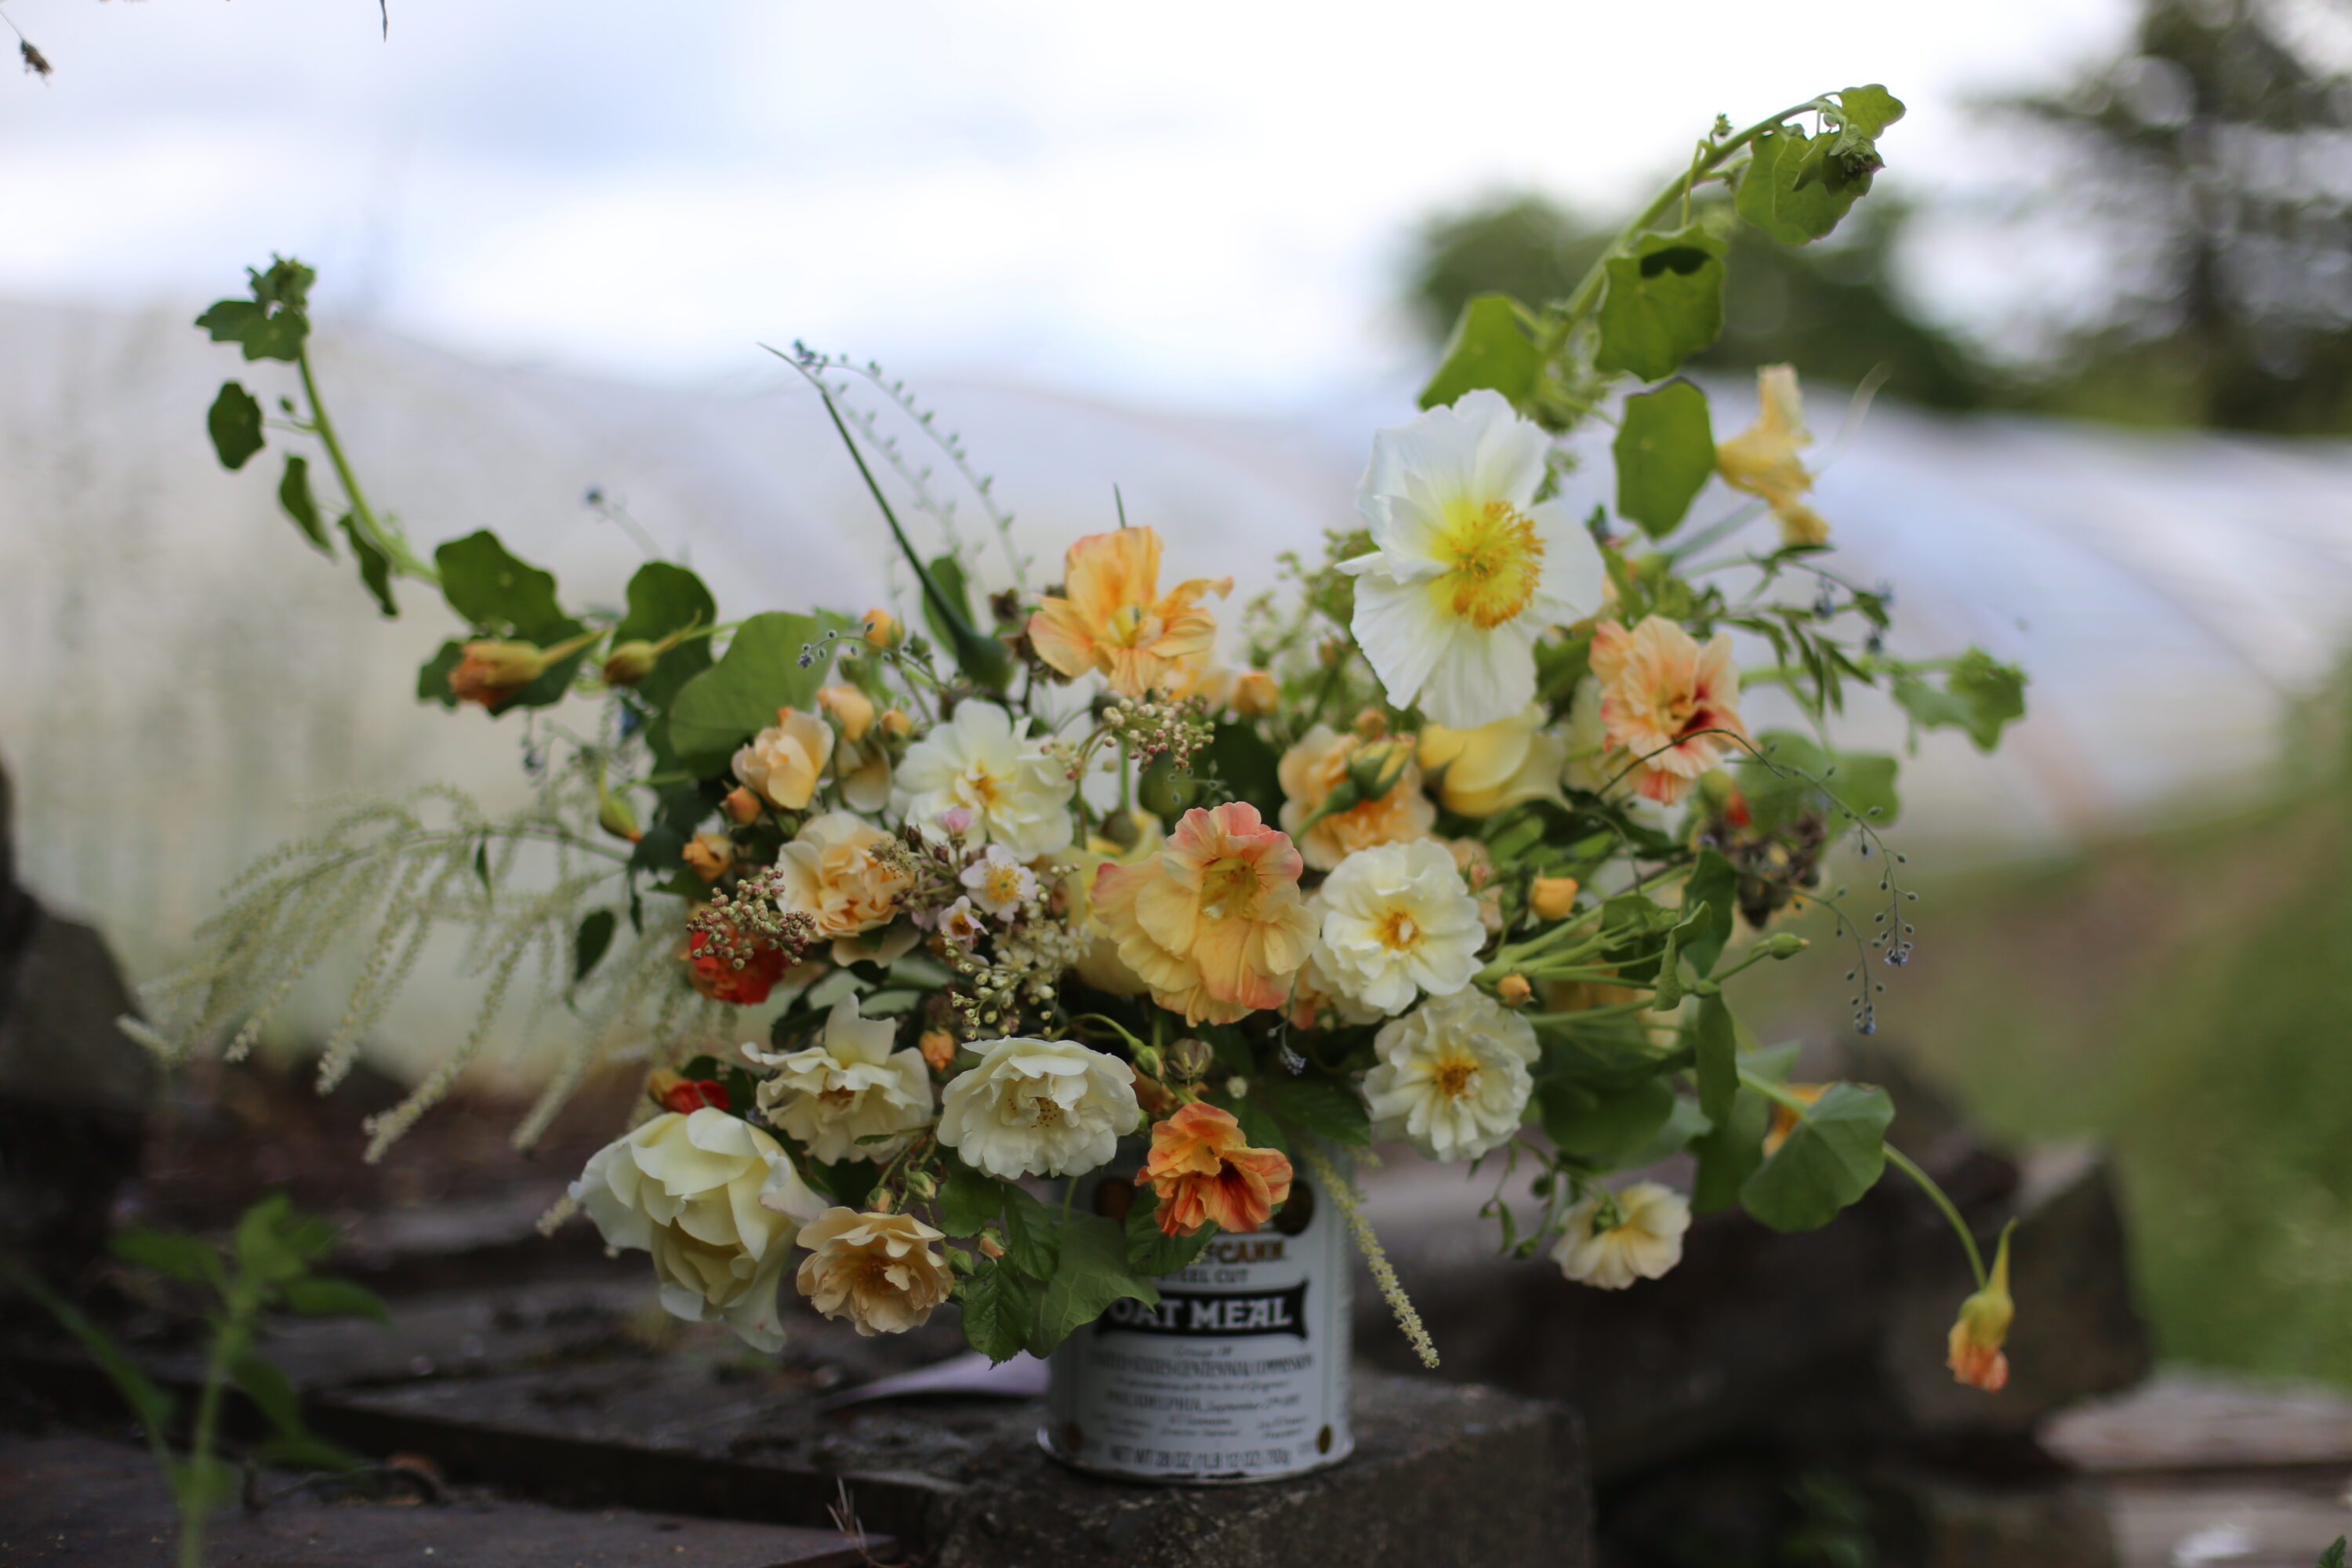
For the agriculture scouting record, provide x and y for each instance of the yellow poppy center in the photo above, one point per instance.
(1456, 1075)
(1495, 561)
(1396, 931)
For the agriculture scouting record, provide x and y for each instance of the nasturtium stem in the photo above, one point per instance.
(393, 547)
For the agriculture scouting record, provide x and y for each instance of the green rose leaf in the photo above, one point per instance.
(1795, 772)
(1257, 1121)
(1490, 348)
(1980, 695)
(1324, 1106)
(662, 599)
(591, 941)
(1833, 1155)
(1664, 303)
(1091, 1274)
(1152, 1252)
(375, 572)
(1666, 454)
(1729, 1153)
(1869, 110)
(1600, 1127)
(1032, 1235)
(1240, 758)
(736, 698)
(234, 424)
(295, 498)
(999, 1306)
(1797, 188)
(967, 1200)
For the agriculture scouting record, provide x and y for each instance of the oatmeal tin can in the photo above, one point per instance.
(1239, 1374)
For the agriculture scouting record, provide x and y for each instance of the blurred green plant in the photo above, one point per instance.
(266, 1269)
(1833, 306)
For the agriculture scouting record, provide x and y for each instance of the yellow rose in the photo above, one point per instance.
(832, 874)
(784, 761)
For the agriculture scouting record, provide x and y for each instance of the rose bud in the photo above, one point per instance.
(1552, 898)
(849, 708)
(1255, 695)
(630, 663)
(881, 628)
(1512, 990)
(742, 807)
(710, 856)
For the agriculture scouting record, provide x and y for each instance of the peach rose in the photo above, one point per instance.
(783, 762)
(832, 874)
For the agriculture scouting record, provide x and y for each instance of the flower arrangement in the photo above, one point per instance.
(1458, 838)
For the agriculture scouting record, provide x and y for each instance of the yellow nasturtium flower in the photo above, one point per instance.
(1973, 1350)
(1762, 459)
(1116, 622)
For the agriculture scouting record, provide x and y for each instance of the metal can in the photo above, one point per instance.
(1239, 1374)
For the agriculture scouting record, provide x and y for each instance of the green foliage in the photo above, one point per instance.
(1090, 1272)
(1243, 761)
(1717, 1045)
(590, 942)
(761, 670)
(1060, 1270)
(1666, 454)
(1832, 1155)
(1152, 1252)
(1601, 1128)
(1730, 1151)
(295, 500)
(1490, 348)
(1318, 1103)
(1664, 303)
(968, 1199)
(375, 571)
(1796, 774)
(947, 574)
(1714, 882)
(1979, 695)
(999, 1303)
(501, 596)
(664, 599)
(1799, 187)
(275, 321)
(233, 423)
(268, 1268)
(2334, 1556)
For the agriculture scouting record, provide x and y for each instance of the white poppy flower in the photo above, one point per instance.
(998, 883)
(1453, 1076)
(1397, 919)
(1039, 1107)
(717, 1203)
(848, 1086)
(1016, 794)
(1646, 1241)
(1467, 568)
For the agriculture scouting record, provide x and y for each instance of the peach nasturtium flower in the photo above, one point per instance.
(1205, 1172)
(1762, 459)
(1213, 920)
(1116, 622)
(1669, 703)
(1973, 1350)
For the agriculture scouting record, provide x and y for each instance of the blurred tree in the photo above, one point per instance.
(1830, 307)
(2216, 160)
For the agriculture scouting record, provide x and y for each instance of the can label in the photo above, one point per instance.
(1238, 1374)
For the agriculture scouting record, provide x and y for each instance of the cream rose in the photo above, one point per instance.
(717, 1203)
(979, 762)
(832, 873)
(848, 1087)
(875, 1270)
(1039, 1107)
(1395, 920)
(1453, 1076)
(783, 762)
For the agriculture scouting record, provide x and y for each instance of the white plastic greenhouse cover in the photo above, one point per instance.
(185, 675)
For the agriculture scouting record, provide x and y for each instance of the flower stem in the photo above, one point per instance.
(388, 541)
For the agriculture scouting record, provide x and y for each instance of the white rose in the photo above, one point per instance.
(1017, 795)
(847, 1087)
(1453, 1076)
(1645, 1242)
(717, 1203)
(1039, 1107)
(1397, 917)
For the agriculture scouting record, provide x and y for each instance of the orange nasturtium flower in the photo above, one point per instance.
(1212, 921)
(1973, 1350)
(1116, 620)
(1203, 1169)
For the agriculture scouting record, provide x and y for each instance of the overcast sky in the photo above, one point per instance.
(1202, 204)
